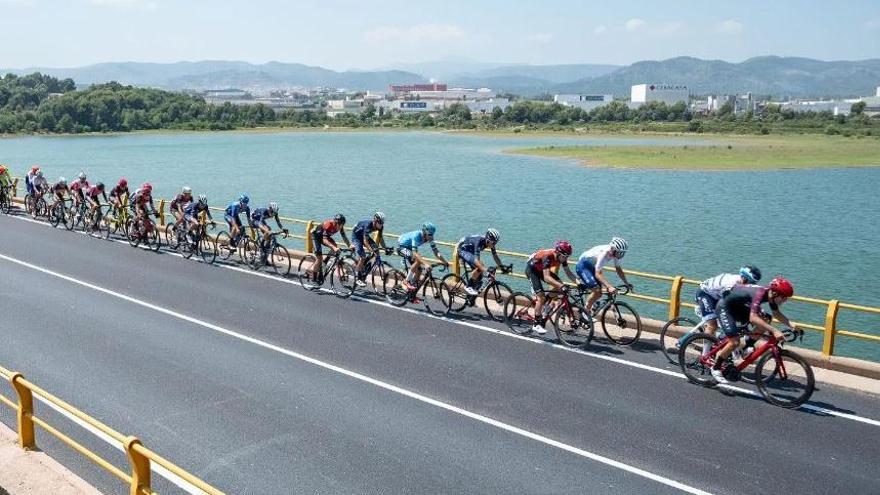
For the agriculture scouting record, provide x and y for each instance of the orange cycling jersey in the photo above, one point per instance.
(545, 259)
(329, 227)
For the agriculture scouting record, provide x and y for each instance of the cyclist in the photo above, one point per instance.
(322, 235)
(93, 196)
(29, 177)
(78, 190)
(118, 192)
(361, 238)
(713, 289)
(589, 268)
(408, 249)
(192, 212)
(259, 218)
(233, 221)
(469, 249)
(5, 179)
(743, 306)
(541, 267)
(142, 202)
(59, 189)
(39, 185)
(179, 204)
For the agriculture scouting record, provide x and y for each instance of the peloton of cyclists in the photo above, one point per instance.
(322, 235)
(589, 268)
(362, 239)
(541, 267)
(408, 249)
(469, 249)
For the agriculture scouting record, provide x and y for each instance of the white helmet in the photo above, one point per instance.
(619, 244)
(379, 216)
(203, 199)
(493, 235)
(82, 176)
(187, 190)
(273, 207)
(62, 181)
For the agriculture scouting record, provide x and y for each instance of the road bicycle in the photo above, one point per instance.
(194, 241)
(227, 245)
(93, 222)
(783, 377)
(259, 253)
(76, 215)
(142, 230)
(494, 292)
(58, 212)
(671, 337)
(337, 266)
(375, 269)
(5, 201)
(625, 324)
(427, 292)
(36, 208)
(117, 218)
(563, 308)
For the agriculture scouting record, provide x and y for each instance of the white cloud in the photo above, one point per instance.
(415, 34)
(140, 4)
(600, 29)
(729, 26)
(540, 37)
(635, 24)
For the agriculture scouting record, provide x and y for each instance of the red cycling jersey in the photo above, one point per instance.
(545, 259)
(80, 186)
(94, 192)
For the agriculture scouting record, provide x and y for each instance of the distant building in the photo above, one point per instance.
(666, 93)
(878, 92)
(457, 94)
(836, 107)
(740, 103)
(341, 107)
(483, 107)
(585, 102)
(399, 89)
(226, 94)
(872, 105)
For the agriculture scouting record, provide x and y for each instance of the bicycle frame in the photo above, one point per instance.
(771, 344)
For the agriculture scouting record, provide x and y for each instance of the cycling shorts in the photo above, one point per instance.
(727, 321)
(586, 272)
(233, 220)
(706, 305)
(359, 239)
(536, 278)
(469, 258)
(406, 255)
(318, 242)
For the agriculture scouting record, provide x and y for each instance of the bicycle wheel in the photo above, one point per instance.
(56, 215)
(432, 297)
(669, 342)
(690, 358)
(395, 288)
(111, 225)
(40, 209)
(207, 249)
(624, 326)
(378, 275)
(493, 299)
(171, 236)
(4, 203)
(517, 315)
(342, 277)
(573, 329)
(224, 245)
(152, 239)
(453, 293)
(791, 385)
(69, 221)
(279, 260)
(307, 278)
(134, 234)
(29, 204)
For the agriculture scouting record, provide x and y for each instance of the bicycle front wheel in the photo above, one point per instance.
(342, 278)
(69, 221)
(207, 249)
(152, 239)
(307, 277)
(695, 367)
(573, 329)
(171, 237)
(517, 315)
(621, 323)
(493, 299)
(55, 216)
(787, 382)
(279, 259)
(669, 342)
(378, 276)
(432, 297)
(453, 293)
(395, 288)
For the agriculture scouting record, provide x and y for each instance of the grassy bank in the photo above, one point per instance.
(727, 153)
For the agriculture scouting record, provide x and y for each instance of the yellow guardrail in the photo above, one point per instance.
(140, 458)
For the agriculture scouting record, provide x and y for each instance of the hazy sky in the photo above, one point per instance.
(376, 33)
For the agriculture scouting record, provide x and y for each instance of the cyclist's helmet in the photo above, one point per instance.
(123, 182)
(782, 287)
(35, 168)
(619, 245)
(2, 169)
(186, 190)
(203, 199)
(340, 218)
(244, 199)
(273, 207)
(82, 176)
(62, 181)
(147, 187)
(429, 228)
(100, 186)
(379, 217)
(751, 274)
(493, 235)
(563, 248)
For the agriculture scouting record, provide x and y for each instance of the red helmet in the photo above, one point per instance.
(123, 182)
(2, 168)
(563, 247)
(147, 187)
(782, 287)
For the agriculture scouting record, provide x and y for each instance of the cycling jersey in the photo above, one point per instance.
(474, 244)
(94, 193)
(412, 240)
(28, 178)
(598, 257)
(143, 199)
(5, 179)
(328, 228)
(260, 215)
(80, 186)
(39, 184)
(180, 201)
(545, 259)
(119, 192)
(58, 188)
(193, 210)
(364, 228)
(719, 285)
(235, 209)
(736, 307)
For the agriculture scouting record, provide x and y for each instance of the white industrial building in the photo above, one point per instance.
(740, 103)
(666, 93)
(836, 107)
(584, 102)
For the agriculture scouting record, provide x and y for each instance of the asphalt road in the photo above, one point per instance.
(258, 386)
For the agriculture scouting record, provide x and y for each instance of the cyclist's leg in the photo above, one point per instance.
(537, 283)
(357, 241)
(728, 324)
(707, 304)
(415, 267)
(318, 243)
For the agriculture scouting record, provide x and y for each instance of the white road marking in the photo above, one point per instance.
(523, 338)
(373, 381)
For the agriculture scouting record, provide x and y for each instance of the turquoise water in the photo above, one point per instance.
(818, 227)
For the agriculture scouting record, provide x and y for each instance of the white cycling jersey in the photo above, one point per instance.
(719, 284)
(599, 256)
(39, 182)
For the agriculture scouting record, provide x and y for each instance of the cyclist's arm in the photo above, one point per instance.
(602, 280)
(208, 214)
(551, 278)
(278, 221)
(571, 275)
(381, 238)
(437, 253)
(781, 318)
(344, 237)
(620, 274)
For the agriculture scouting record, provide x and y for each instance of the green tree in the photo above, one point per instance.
(858, 108)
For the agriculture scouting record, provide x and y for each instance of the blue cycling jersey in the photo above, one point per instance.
(261, 214)
(412, 240)
(473, 244)
(364, 228)
(195, 208)
(235, 208)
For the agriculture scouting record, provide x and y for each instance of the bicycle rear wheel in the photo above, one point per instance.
(69, 221)
(621, 323)
(669, 342)
(55, 216)
(342, 277)
(432, 297)
(690, 358)
(453, 293)
(307, 278)
(516, 313)
(279, 259)
(791, 385)
(493, 299)
(395, 288)
(573, 329)
(4, 203)
(224, 245)
(378, 275)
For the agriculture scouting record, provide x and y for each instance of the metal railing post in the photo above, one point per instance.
(140, 467)
(26, 436)
(456, 269)
(310, 247)
(830, 328)
(675, 297)
(162, 213)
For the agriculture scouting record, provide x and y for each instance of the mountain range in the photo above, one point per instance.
(767, 75)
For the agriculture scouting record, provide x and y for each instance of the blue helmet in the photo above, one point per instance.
(429, 228)
(244, 199)
(750, 273)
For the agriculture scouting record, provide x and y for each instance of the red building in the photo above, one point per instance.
(410, 88)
